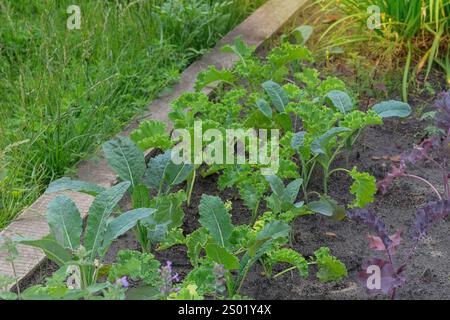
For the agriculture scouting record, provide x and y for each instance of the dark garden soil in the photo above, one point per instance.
(427, 275)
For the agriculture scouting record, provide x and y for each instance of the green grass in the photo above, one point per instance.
(420, 28)
(63, 92)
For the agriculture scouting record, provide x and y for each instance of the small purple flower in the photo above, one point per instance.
(176, 277)
(168, 278)
(123, 282)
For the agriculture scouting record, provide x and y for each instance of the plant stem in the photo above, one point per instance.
(425, 181)
(284, 271)
(242, 281)
(339, 169)
(191, 187)
(19, 294)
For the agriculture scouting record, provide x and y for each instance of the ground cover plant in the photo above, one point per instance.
(65, 91)
(318, 121)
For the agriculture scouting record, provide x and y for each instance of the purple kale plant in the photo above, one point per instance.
(391, 271)
(436, 150)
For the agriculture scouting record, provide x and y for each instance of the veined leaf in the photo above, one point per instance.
(154, 176)
(65, 183)
(276, 184)
(273, 231)
(392, 108)
(162, 172)
(99, 214)
(265, 108)
(321, 144)
(52, 249)
(321, 206)
(291, 191)
(177, 173)
(277, 95)
(65, 222)
(126, 221)
(221, 256)
(125, 159)
(169, 209)
(215, 217)
(340, 100)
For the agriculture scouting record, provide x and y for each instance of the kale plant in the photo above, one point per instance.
(435, 149)
(391, 272)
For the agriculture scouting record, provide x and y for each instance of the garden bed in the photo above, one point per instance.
(378, 147)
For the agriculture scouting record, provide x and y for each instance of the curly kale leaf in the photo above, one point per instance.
(286, 255)
(151, 134)
(137, 266)
(330, 268)
(363, 188)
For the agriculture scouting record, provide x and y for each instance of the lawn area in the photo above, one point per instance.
(62, 92)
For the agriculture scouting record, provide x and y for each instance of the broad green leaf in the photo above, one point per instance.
(65, 183)
(169, 209)
(140, 196)
(52, 249)
(363, 188)
(392, 108)
(154, 176)
(264, 239)
(65, 222)
(215, 217)
(276, 184)
(99, 214)
(162, 172)
(302, 34)
(221, 256)
(340, 100)
(152, 134)
(212, 75)
(292, 189)
(177, 173)
(120, 225)
(265, 108)
(322, 144)
(277, 95)
(273, 231)
(321, 206)
(125, 159)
